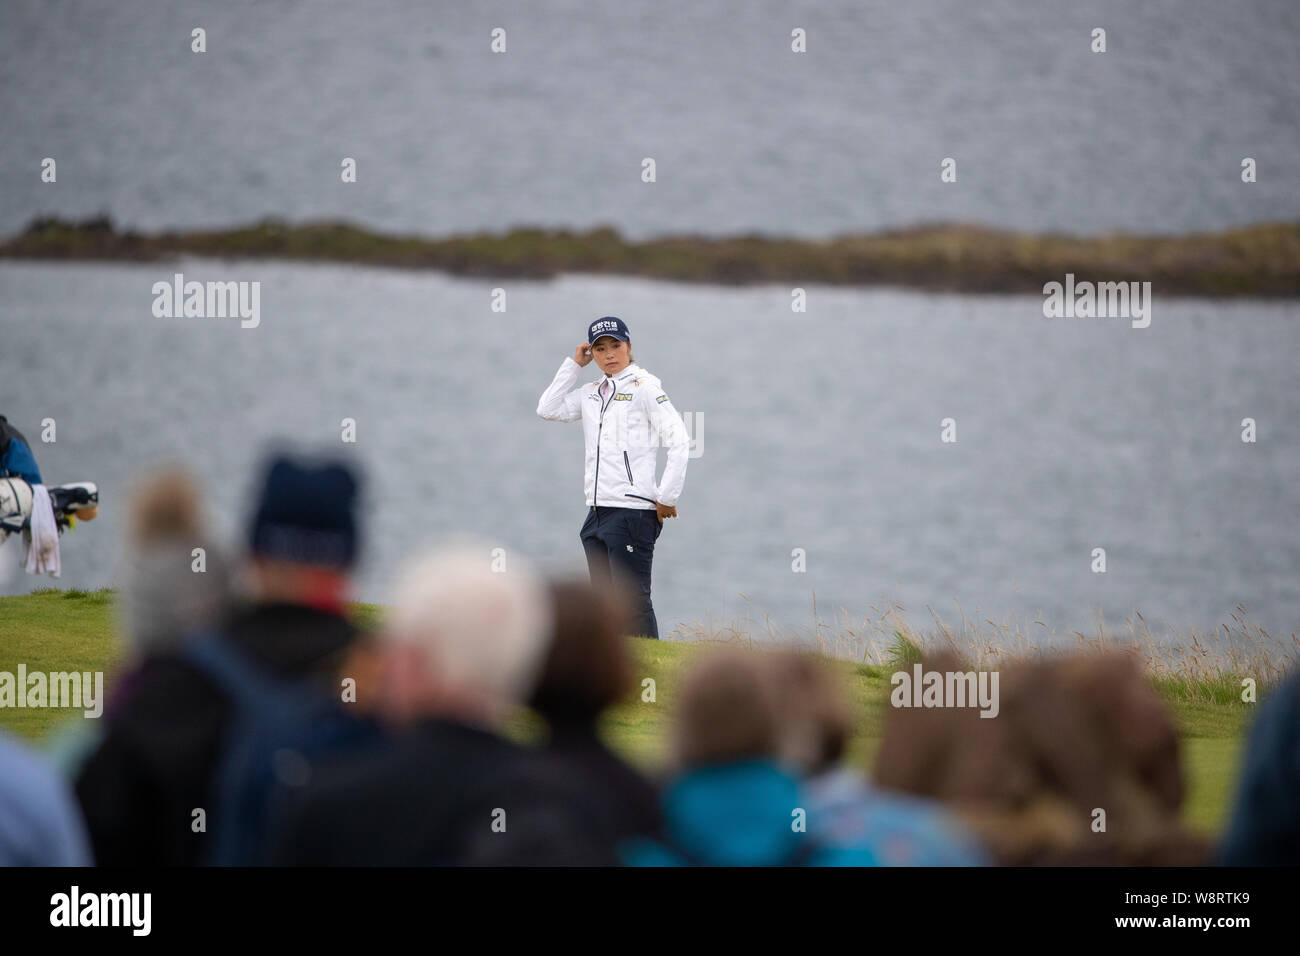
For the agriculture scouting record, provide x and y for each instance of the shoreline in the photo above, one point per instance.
(1261, 260)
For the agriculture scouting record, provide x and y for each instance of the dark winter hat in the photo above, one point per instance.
(609, 325)
(306, 514)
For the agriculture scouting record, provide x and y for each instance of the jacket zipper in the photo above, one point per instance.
(628, 465)
(595, 489)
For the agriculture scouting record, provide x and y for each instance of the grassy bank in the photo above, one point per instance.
(66, 630)
(1259, 260)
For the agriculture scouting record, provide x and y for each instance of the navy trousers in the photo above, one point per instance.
(621, 542)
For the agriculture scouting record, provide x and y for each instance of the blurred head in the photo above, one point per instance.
(1073, 734)
(729, 710)
(164, 505)
(162, 595)
(588, 666)
(303, 538)
(464, 641)
(816, 720)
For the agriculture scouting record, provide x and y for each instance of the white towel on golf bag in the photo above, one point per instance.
(42, 538)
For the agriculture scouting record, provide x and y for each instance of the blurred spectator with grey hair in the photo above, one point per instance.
(463, 646)
(589, 669)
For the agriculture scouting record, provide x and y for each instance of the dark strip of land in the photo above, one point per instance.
(1259, 260)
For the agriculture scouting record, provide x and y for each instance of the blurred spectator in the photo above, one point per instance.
(1265, 827)
(733, 803)
(464, 646)
(142, 787)
(844, 810)
(161, 595)
(40, 824)
(1080, 766)
(588, 669)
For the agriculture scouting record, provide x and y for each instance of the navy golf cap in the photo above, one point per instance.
(609, 325)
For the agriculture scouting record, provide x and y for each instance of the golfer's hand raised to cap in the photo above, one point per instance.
(582, 354)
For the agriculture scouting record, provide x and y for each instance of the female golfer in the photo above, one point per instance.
(625, 417)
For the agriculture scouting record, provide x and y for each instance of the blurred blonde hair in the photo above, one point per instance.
(161, 598)
(165, 505)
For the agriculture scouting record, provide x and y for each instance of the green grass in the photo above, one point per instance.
(53, 630)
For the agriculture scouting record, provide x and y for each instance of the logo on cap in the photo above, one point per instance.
(610, 325)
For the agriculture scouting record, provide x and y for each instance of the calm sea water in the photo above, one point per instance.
(1148, 136)
(817, 431)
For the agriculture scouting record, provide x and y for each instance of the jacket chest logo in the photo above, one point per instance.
(622, 396)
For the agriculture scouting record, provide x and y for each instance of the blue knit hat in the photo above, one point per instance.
(306, 514)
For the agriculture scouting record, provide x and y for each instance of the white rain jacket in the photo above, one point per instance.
(623, 435)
